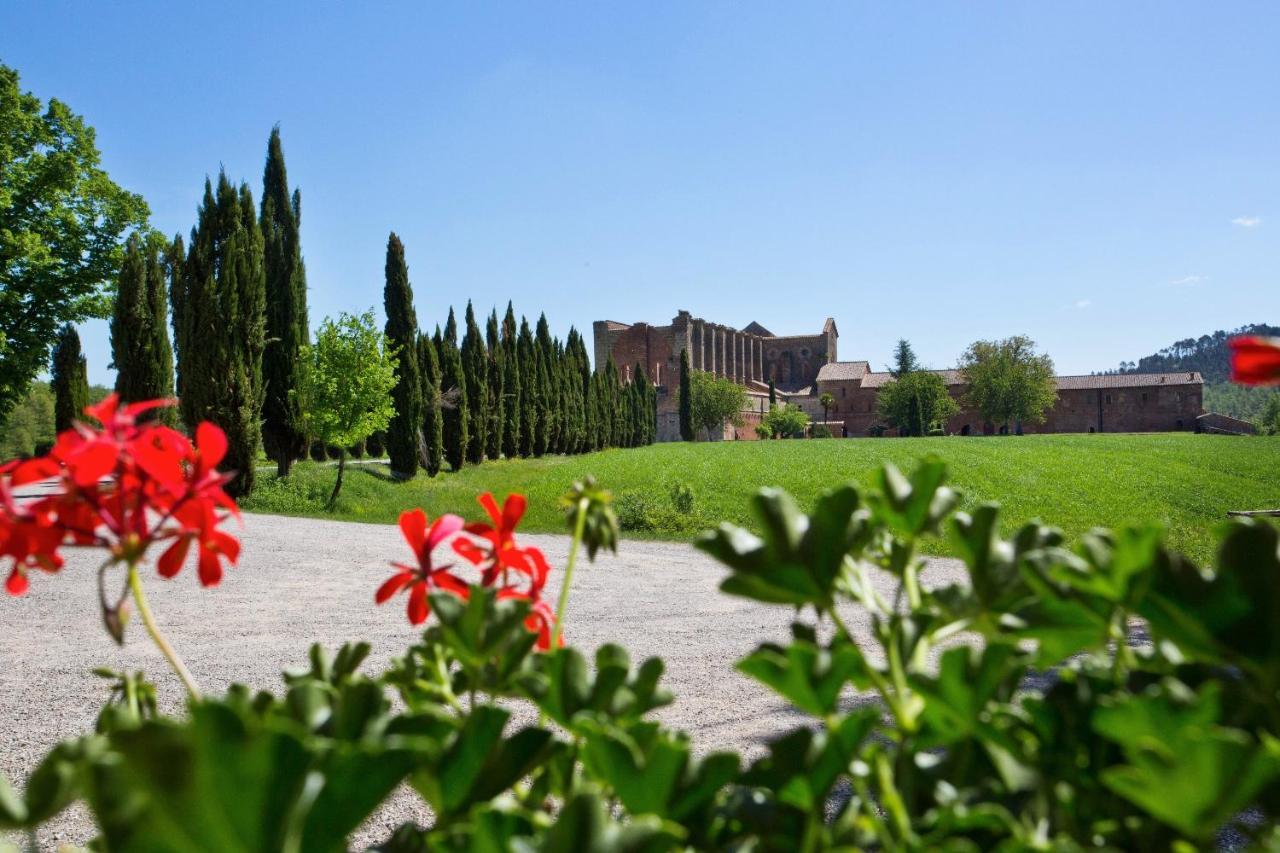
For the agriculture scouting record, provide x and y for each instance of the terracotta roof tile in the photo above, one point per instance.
(837, 370)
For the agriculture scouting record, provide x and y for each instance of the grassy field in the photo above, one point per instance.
(1182, 481)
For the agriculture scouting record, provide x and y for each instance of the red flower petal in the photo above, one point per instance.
(95, 461)
(1255, 360)
(451, 583)
(105, 411)
(443, 527)
(413, 524)
(170, 562)
(210, 568)
(491, 507)
(512, 511)
(419, 609)
(17, 583)
(470, 551)
(211, 441)
(391, 586)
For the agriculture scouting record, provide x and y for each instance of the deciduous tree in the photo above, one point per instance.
(344, 388)
(1009, 382)
(62, 222)
(714, 401)
(915, 402)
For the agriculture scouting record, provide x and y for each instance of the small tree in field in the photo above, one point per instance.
(916, 401)
(785, 421)
(714, 400)
(345, 388)
(1008, 380)
(827, 401)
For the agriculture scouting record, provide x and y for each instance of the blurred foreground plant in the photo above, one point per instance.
(1102, 695)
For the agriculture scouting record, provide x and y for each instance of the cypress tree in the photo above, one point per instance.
(283, 436)
(641, 383)
(451, 328)
(548, 419)
(773, 395)
(686, 410)
(432, 450)
(140, 349)
(495, 380)
(510, 386)
(542, 408)
(219, 306)
(453, 385)
(402, 334)
(614, 406)
(527, 356)
(476, 374)
(70, 379)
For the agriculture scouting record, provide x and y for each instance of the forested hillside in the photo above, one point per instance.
(1209, 355)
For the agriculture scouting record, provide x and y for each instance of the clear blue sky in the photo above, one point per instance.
(1104, 177)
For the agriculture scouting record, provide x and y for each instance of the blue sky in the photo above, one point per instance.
(1104, 177)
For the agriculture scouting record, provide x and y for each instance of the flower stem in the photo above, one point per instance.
(135, 585)
(578, 530)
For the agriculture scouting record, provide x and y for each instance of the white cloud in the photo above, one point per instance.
(1083, 303)
(1188, 280)
(1247, 221)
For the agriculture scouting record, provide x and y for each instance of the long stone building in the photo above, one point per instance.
(803, 367)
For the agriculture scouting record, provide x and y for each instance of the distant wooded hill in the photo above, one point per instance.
(1208, 354)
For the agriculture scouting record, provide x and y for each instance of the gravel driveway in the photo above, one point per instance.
(304, 580)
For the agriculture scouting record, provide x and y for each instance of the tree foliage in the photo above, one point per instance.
(686, 398)
(70, 379)
(219, 302)
(916, 402)
(475, 372)
(432, 451)
(1009, 382)
(344, 387)
(141, 352)
(287, 330)
(453, 387)
(402, 333)
(784, 421)
(714, 401)
(62, 221)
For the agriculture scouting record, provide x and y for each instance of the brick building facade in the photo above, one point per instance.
(803, 367)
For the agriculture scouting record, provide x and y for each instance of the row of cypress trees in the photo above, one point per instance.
(239, 306)
(507, 391)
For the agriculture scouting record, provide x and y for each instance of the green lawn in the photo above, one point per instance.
(1185, 482)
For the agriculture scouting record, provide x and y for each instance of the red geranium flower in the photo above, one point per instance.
(541, 619)
(499, 552)
(122, 488)
(420, 578)
(1255, 360)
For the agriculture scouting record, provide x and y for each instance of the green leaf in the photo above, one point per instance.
(584, 824)
(1183, 767)
(806, 675)
(563, 687)
(13, 812)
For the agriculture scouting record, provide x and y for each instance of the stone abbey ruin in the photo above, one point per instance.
(804, 367)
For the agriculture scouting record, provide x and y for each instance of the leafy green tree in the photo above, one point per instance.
(686, 398)
(511, 386)
(827, 400)
(1269, 419)
(287, 328)
(62, 222)
(70, 379)
(475, 373)
(432, 401)
(915, 402)
(140, 348)
(495, 392)
(1009, 381)
(29, 424)
(218, 307)
(453, 388)
(715, 401)
(784, 422)
(345, 385)
(402, 332)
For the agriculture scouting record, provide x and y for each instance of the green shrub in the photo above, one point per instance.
(1049, 728)
(318, 452)
(820, 431)
(682, 498)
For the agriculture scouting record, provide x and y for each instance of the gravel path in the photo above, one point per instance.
(304, 580)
